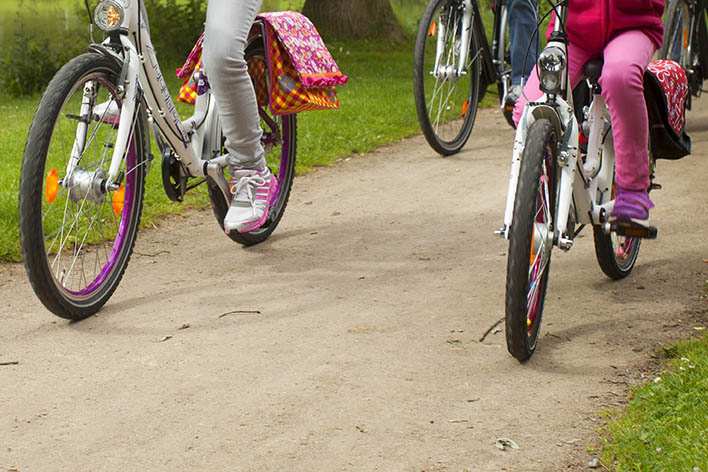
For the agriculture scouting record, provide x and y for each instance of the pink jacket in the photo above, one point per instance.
(592, 23)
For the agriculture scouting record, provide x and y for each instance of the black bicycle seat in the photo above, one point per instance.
(593, 68)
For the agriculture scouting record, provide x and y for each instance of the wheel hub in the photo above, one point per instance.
(86, 185)
(447, 72)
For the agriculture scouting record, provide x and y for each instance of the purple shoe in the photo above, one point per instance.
(631, 206)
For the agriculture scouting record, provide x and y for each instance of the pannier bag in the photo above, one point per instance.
(666, 91)
(301, 70)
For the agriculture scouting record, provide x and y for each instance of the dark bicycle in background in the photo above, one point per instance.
(453, 66)
(686, 41)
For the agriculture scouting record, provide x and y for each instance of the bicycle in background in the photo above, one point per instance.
(686, 41)
(453, 66)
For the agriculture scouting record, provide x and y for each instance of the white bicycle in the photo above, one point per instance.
(556, 188)
(88, 153)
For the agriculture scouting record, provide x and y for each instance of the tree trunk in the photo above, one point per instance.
(356, 19)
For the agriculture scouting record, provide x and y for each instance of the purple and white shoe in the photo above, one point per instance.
(253, 192)
(631, 206)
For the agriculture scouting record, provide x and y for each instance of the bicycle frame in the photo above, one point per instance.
(501, 21)
(194, 141)
(696, 34)
(584, 191)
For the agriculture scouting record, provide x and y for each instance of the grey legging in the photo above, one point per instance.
(227, 25)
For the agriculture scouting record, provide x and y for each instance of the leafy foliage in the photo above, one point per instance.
(37, 49)
(175, 26)
(35, 53)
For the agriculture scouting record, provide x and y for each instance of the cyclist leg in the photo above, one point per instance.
(522, 25)
(626, 57)
(227, 25)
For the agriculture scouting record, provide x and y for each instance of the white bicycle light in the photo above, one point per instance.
(551, 65)
(109, 14)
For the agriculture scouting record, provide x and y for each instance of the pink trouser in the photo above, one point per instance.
(625, 59)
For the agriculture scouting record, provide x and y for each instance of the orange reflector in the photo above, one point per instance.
(51, 187)
(433, 29)
(685, 38)
(465, 107)
(532, 256)
(118, 199)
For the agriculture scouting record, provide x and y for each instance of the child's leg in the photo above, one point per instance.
(625, 59)
(577, 58)
(227, 25)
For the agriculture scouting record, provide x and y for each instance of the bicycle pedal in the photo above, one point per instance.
(633, 230)
(654, 187)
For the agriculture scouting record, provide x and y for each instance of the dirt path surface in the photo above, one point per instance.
(350, 340)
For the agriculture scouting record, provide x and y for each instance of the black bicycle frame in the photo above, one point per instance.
(701, 7)
(489, 72)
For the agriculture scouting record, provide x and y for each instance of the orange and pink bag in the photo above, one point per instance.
(300, 70)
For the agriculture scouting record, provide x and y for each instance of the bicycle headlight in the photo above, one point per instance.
(551, 66)
(109, 14)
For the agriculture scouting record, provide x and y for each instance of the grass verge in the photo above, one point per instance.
(665, 425)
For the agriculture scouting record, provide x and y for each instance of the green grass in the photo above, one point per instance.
(665, 426)
(377, 108)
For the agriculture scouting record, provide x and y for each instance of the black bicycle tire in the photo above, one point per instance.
(605, 254)
(219, 205)
(519, 343)
(30, 193)
(444, 148)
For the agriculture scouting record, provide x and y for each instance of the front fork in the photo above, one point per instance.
(128, 93)
(443, 70)
(559, 113)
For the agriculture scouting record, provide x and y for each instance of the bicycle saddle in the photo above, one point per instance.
(593, 68)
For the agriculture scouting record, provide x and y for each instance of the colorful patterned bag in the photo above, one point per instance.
(300, 68)
(188, 91)
(302, 71)
(665, 92)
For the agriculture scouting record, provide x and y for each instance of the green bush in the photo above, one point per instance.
(34, 53)
(38, 48)
(175, 25)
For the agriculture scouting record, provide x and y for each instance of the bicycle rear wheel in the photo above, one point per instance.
(77, 236)
(676, 47)
(446, 104)
(531, 240)
(615, 254)
(280, 141)
(677, 31)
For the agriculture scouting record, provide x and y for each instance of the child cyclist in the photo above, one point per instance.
(227, 25)
(625, 34)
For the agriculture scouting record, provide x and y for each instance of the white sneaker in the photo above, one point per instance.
(253, 192)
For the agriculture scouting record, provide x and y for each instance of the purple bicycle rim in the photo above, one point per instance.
(121, 236)
(284, 155)
(532, 312)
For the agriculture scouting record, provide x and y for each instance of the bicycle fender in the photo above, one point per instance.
(107, 52)
(549, 113)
